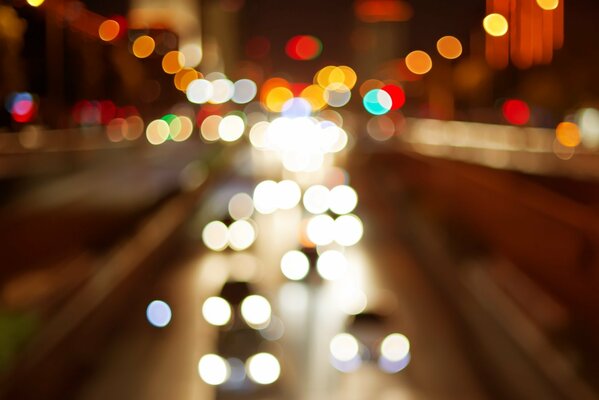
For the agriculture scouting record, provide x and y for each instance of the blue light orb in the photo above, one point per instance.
(159, 313)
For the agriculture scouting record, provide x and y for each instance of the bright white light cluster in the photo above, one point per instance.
(240, 235)
(220, 91)
(270, 196)
(262, 368)
(394, 352)
(228, 129)
(300, 143)
(346, 230)
(342, 199)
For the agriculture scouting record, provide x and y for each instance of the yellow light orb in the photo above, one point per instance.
(568, 134)
(35, 3)
(277, 97)
(336, 76)
(173, 62)
(419, 62)
(143, 46)
(314, 94)
(350, 77)
(449, 47)
(495, 24)
(322, 77)
(548, 5)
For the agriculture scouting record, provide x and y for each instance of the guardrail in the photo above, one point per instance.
(529, 150)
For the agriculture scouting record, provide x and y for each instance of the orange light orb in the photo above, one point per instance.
(449, 47)
(419, 62)
(109, 30)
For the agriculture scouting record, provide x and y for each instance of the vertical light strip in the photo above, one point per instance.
(533, 34)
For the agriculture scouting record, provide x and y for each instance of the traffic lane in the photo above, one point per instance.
(309, 312)
(440, 367)
(145, 362)
(61, 219)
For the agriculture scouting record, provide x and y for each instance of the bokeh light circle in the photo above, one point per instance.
(398, 96)
(419, 62)
(295, 265)
(143, 46)
(344, 347)
(159, 313)
(343, 199)
(548, 5)
(231, 128)
(213, 369)
(449, 47)
(109, 30)
(320, 230)
(568, 134)
(173, 62)
(215, 236)
(216, 311)
(241, 206)
(516, 111)
(256, 310)
(495, 24)
(348, 230)
(263, 368)
(199, 91)
(377, 102)
(332, 265)
(316, 199)
(241, 235)
(244, 91)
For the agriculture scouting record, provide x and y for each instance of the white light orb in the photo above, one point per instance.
(316, 199)
(199, 91)
(216, 236)
(256, 311)
(222, 91)
(289, 194)
(343, 199)
(265, 197)
(321, 230)
(241, 206)
(295, 265)
(231, 128)
(244, 91)
(258, 134)
(348, 230)
(213, 369)
(192, 53)
(332, 265)
(241, 235)
(395, 347)
(263, 368)
(216, 311)
(344, 347)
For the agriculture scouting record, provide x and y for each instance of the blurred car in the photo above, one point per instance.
(237, 307)
(243, 362)
(367, 340)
